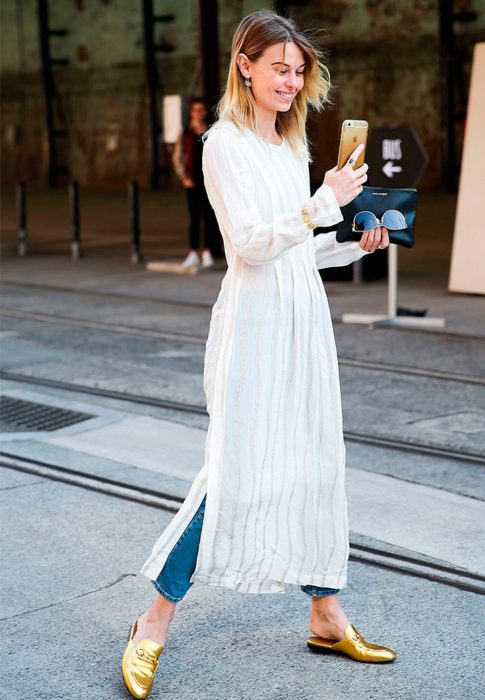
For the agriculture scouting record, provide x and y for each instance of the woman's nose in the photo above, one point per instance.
(291, 82)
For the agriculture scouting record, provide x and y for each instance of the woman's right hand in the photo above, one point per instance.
(347, 182)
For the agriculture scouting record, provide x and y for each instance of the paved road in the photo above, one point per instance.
(72, 556)
(71, 588)
(432, 410)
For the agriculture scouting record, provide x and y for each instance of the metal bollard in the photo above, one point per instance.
(75, 220)
(134, 198)
(22, 211)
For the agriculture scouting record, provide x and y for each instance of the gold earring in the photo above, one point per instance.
(247, 82)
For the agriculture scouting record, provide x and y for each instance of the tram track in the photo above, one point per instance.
(102, 326)
(405, 564)
(189, 338)
(455, 335)
(381, 557)
(138, 399)
(105, 294)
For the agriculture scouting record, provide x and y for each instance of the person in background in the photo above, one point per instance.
(187, 161)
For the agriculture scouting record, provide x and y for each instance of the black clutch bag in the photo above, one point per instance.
(394, 208)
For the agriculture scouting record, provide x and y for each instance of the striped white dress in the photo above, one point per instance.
(274, 465)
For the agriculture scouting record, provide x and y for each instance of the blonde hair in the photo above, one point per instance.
(256, 32)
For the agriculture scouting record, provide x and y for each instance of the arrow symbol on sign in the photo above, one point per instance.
(390, 168)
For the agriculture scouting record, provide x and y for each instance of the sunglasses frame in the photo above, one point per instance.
(379, 220)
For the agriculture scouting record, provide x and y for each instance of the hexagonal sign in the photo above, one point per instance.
(395, 156)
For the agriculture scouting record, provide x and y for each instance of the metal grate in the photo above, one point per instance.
(17, 415)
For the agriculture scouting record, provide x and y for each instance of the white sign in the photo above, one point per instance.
(172, 117)
(391, 149)
(389, 169)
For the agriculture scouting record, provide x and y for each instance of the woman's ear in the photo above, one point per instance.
(243, 63)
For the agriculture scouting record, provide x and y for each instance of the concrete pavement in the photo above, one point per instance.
(71, 558)
(402, 513)
(72, 594)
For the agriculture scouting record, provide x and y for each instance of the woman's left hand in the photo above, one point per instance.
(376, 238)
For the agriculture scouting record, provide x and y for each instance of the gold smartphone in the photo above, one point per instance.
(353, 133)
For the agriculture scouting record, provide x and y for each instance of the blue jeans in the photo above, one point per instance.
(173, 580)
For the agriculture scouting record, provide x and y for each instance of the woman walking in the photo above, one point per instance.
(187, 162)
(268, 507)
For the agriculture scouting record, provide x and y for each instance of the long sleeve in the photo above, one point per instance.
(231, 189)
(330, 253)
(178, 157)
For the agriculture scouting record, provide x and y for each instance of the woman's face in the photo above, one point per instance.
(198, 112)
(274, 90)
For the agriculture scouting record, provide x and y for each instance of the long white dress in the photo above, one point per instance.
(274, 467)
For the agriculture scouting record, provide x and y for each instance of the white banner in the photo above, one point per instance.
(467, 271)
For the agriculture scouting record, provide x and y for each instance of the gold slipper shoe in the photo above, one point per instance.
(355, 646)
(140, 661)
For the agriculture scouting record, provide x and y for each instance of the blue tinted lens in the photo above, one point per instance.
(393, 219)
(365, 221)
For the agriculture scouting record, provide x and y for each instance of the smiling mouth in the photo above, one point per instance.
(287, 96)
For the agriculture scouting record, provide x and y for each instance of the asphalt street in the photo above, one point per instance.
(82, 505)
(70, 598)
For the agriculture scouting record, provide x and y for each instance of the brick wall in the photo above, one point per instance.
(384, 61)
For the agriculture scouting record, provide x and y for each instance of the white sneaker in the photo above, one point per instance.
(192, 259)
(207, 259)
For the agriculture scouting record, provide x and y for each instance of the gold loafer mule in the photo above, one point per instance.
(355, 646)
(140, 661)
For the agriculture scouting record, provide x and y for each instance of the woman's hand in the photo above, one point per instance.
(376, 238)
(347, 182)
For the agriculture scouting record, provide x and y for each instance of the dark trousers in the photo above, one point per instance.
(199, 207)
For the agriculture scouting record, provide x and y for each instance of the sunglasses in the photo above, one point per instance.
(366, 221)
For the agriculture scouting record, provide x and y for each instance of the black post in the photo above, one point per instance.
(75, 220)
(209, 51)
(134, 198)
(22, 211)
(51, 95)
(447, 73)
(152, 83)
(48, 84)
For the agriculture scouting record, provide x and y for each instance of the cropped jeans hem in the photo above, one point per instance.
(166, 595)
(320, 592)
